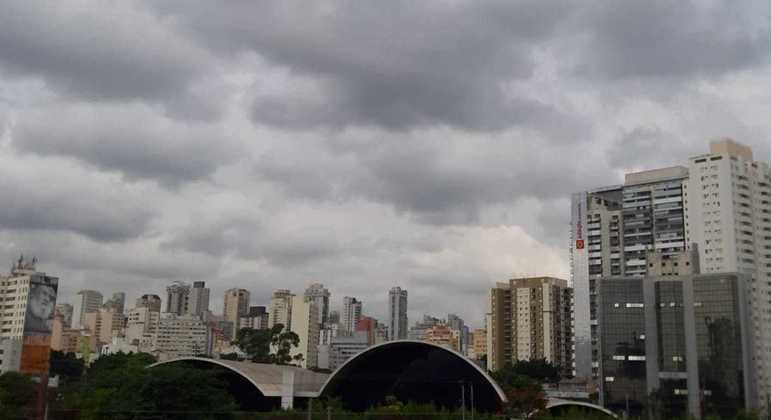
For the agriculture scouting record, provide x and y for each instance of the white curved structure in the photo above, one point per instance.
(556, 402)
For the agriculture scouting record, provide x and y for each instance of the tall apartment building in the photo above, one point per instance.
(236, 306)
(320, 295)
(305, 323)
(529, 318)
(351, 314)
(479, 342)
(142, 321)
(443, 335)
(152, 302)
(281, 308)
(116, 302)
(198, 303)
(87, 301)
(177, 298)
(723, 208)
(397, 314)
(104, 324)
(26, 318)
(343, 348)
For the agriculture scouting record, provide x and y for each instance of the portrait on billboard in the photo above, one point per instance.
(41, 305)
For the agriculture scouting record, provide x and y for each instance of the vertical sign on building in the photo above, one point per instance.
(579, 261)
(38, 324)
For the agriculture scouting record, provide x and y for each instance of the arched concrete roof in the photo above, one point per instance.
(342, 371)
(557, 402)
(267, 378)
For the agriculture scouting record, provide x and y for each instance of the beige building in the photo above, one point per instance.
(479, 342)
(443, 335)
(63, 338)
(530, 318)
(104, 324)
(280, 311)
(305, 323)
(236, 306)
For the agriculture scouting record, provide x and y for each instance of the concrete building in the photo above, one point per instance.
(142, 320)
(530, 318)
(443, 335)
(257, 318)
(719, 203)
(65, 310)
(152, 302)
(280, 308)
(104, 324)
(351, 314)
(87, 301)
(64, 338)
(180, 336)
(456, 323)
(236, 306)
(198, 303)
(320, 295)
(397, 314)
(117, 302)
(26, 319)
(305, 323)
(344, 347)
(177, 298)
(418, 331)
(479, 342)
(685, 339)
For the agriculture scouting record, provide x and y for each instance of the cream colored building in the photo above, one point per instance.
(305, 323)
(236, 306)
(530, 318)
(280, 311)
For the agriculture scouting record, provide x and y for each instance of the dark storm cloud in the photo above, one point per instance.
(49, 196)
(98, 50)
(133, 140)
(669, 39)
(394, 65)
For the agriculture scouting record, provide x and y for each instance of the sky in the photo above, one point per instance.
(430, 145)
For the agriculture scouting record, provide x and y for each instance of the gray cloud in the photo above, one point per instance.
(41, 196)
(99, 52)
(133, 140)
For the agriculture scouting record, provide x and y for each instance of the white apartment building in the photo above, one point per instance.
(142, 321)
(728, 198)
(320, 295)
(28, 301)
(305, 323)
(351, 314)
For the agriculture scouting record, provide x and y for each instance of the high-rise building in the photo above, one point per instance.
(25, 332)
(320, 295)
(343, 348)
(456, 323)
(142, 322)
(180, 336)
(177, 298)
(236, 306)
(443, 335)
(152, 302)
(87, 301)
(116, 302)
(65, 310)
(418, 331)
(104, 324)
(281, 308)
(720, 203)
(530, 318)
(480, 342)
(612, 230)
(397, 314)
(675, 345)
(351, 314)
(305, 323)
(198, 303)
(257, 318)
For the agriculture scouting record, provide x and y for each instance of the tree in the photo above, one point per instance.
(17, 395)
(538, 369)
(66, 365)
(273, 345)
(524, 395)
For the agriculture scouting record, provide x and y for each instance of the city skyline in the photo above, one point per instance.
(275, 155)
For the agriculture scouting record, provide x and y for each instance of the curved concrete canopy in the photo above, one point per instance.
(269, 379)
(556, 403)
(412, 371)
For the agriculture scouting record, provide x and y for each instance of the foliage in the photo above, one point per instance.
(538, 369)
(230, 356)
(273, 345)
(17, 395)
(524, 395)
(66, 365)
(122, 385)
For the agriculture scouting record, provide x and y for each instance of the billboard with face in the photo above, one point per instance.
(38, 324)
(41, 305)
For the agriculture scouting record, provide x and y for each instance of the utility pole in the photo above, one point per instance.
(472, 401)
(463, 400)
